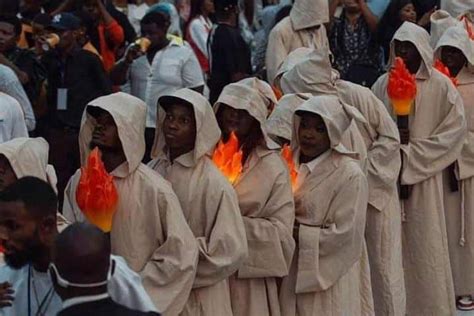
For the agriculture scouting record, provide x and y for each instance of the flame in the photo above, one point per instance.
(278, 92)
(96, 194)
(401, 88)
(228, 158)
(445, 71)
(287, 155)
(468, 26)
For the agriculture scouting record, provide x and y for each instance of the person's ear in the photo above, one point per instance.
(48, 229)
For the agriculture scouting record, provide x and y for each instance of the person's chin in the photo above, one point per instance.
(15, 261)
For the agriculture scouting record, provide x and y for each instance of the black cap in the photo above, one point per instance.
(65, 22)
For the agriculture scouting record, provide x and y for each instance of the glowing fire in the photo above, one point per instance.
(96, 194)
(401, 88)
(287, 154)
(445, 71)
(278, 92)
(228, 158)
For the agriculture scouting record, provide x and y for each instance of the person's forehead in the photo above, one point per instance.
(180, 108)
(13, 210)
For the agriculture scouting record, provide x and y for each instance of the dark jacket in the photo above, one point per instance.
(105, 307)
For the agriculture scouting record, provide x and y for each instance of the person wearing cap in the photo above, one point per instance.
(186, 131)
(266, 203)
(303, 28)
(149, 228)
(166, 66)
(75, 77)
(229, 54)
(331, 195)
(435, 137)
(456, 51)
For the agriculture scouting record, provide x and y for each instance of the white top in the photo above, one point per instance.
(10, 85)
(12, 121)
(173, 67)
(136, 14)
(124, 287)
(199, 30)
(84, 299)
(306, 169)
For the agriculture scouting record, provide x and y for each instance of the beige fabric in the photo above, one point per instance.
(459, 206)
(210, 207)
(440, 22)
(309, 13)
(148, 228)
(280, 122)
(285, 38)
(290, 61)
(29, 157)
(301, 79)
(264, 89)
(457, 7)
(331, 204)
(266, 204)
(437, 132)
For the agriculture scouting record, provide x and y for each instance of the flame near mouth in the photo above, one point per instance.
(228, 158)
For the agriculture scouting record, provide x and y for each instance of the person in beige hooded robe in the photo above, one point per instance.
(266, 204)
(264, 89)
(459, 203)
(331, 202)
(437, 130)
(303, 28)
(380, 135)
(148, 230)
(208, 200)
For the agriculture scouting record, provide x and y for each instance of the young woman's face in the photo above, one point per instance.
(408, 13)
(234, 120)
(313, 137)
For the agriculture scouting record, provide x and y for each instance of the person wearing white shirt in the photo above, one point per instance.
(167, 66)
(10, 85)
(137, 12)
(29, 228)
(12, 121)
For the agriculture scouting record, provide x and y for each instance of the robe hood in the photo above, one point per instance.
(418, 36)
(440, 21)
(29, 157)
(331, 110)
(207, 129)
(129, 114)
(309, 13)
(242, 97)
(263, 88)
(280, 122)
(291, 60)
(457, 37)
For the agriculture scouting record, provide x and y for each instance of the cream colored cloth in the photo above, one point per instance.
(457, 7)
(266, 204)
(440, 22)
(210, 207)
(303, 28)
(326, 273)
(437, 133)
(280, 122)
(459, 205)
(264, 89)
(148, 228)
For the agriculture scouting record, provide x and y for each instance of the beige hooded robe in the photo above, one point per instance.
(380, 134)
(459, 205)
(210, 207)
(264, 89)
(331, 206)
(437, 133)
(303, 28)
(148, 230)
(266, 204)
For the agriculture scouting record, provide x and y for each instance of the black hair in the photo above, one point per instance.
(13, 20)
(37, 195)
(158, 18)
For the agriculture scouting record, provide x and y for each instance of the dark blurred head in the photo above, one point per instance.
(67, 26)
(10, 31)
(200, 7)
(227, 10)
(398, 12)
(453, 58)
(27, 220)
(154, 26)
(91, 8)
(409, 53)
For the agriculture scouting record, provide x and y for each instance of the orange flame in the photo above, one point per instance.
(278, 92)
(287, 155)
(468, 26)
(445, 71)
(228, 158)
(401, 87)
(96, 194)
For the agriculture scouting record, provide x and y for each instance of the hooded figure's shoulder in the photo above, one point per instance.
(151, 180)
(212, 177)
(271, 162)
(284, 27)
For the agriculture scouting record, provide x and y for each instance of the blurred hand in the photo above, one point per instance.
(6, 294)
(133, 52)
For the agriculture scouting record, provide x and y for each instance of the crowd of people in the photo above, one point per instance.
(333, 206)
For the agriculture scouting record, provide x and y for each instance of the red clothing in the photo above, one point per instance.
(108, 47)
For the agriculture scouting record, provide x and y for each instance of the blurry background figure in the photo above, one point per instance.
(457, 7)
(357, 55)
(81, 268)
(136, 12)
(198, 28)
(12, 121)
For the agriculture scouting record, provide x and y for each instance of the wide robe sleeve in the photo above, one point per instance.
(222, 253)
(270, 241)
(425, 157)
(327, 253)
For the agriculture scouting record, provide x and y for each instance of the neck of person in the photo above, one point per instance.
(352, 17)
(41, 263)
(112, 159)
(68, 50)
(177, 152)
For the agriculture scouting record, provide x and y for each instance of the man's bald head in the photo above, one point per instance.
(81, 254)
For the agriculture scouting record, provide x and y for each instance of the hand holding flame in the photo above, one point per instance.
(228, 158)
(287, 155)
(96, 194)
(401, 88)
